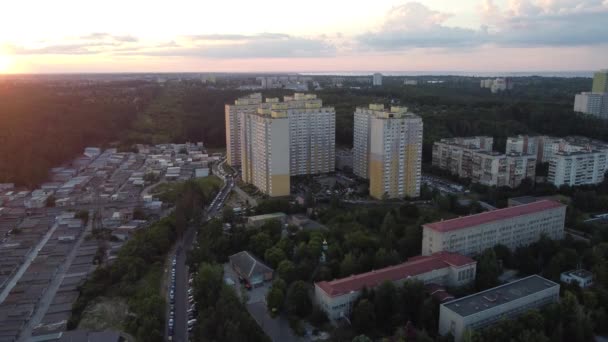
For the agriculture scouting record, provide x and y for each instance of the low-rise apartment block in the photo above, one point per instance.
(388, 150)
(595, 104)
(473, 158)
(337, 297)
(523, 144)
(513, 227)
(578, 168)
(485, 308)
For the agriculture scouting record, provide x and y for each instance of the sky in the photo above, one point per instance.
(65, 36)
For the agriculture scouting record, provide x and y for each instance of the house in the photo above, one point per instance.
(583, 278)
(250, 268)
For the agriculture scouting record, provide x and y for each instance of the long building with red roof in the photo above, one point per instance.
(337, 297)
(513, 227)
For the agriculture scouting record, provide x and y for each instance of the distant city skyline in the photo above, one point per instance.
(67, 36)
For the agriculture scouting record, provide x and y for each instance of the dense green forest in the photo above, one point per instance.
(44, 125)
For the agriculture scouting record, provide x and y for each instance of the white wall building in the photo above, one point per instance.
(377, 79)
(485, 308)
(473, 158)
(513, 227)
(582, 278)
(337, 297)
(595, 104)
(523, 144)
(578, 168)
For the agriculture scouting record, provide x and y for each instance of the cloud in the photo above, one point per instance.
(59, 49)
(527, 23)
(235, 37)
(523, 23)
(264, 45)
(413, 25)
(110, 37)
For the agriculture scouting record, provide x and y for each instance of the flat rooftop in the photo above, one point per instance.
(499, 295)
(580, 273)
(267, 216)
(493, 215)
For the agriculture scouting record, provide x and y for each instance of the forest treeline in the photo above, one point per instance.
(42, 126)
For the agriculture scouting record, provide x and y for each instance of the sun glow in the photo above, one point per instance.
(5, 63)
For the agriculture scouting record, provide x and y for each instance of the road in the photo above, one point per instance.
(181, 286)
(47, 298)
(181, 268)
(28, 261)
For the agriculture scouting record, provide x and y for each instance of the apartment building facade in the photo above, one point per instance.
(233, 115)
(456, 154)
(592, 103)
(265, 157)
(284, 139)
(388, 150)
(523, 144)
(473, 158)
(488, 307)
(337, 297)
(578, 168)
(513, 227)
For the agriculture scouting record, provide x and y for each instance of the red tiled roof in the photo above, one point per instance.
(494, 215)
(413, 267)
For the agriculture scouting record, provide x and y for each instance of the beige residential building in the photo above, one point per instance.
(488, 307)
(388, 150)
(513, 227)
(474, 159)
(246, 104)
(265, 153)
(338, 296)
(283, 139)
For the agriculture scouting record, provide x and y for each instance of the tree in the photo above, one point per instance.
(413, 294)
(275, 299)
(348, 266)
(50, 201)
(259, 243)
(297, 301)
(364, 316)
(488, 270)
(386, 306)
(362, 338)
(287, 271)
(83, 215)
(273, 228)
(228, 214)
(409, 211)
(139, 214)
(274, 256)
(208, 283)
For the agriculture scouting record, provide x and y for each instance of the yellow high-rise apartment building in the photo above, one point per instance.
(283, 139)
(388, 150)
(246, 104)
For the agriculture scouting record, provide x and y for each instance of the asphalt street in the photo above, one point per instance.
(181, 305)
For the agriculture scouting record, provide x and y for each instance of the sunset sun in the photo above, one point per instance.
(5, 63)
